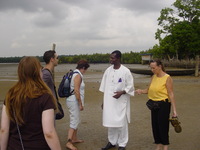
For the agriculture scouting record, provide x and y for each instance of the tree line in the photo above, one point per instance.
(127, 58)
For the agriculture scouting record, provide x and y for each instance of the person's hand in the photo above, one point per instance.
(81, 107)
(174, 114)
(118, 94)
(138, 91)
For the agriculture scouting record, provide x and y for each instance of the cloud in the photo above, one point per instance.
(142, 6)
(78, 26)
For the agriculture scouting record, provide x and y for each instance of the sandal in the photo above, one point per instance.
(176, 124)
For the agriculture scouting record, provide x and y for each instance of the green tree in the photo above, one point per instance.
(179, 32)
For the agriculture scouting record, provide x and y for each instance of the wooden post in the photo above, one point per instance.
(53, 48)
(197, 66)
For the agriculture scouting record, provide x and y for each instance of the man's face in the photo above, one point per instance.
(113, 59)
(55, 59)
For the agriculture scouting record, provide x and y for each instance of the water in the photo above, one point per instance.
(8, 72)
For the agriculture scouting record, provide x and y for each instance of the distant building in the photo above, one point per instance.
(146, 58)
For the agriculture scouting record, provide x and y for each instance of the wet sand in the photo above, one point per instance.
(187, 95)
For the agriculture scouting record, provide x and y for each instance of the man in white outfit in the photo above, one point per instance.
(117, 86)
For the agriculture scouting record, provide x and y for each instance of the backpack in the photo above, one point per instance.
(64, 89)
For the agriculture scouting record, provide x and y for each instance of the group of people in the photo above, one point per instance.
(28, 113)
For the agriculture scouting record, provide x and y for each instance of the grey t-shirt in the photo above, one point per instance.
(48, 79)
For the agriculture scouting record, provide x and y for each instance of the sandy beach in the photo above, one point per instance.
(187, 93)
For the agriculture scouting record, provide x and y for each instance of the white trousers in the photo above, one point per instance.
(74, 112)
(118, 136)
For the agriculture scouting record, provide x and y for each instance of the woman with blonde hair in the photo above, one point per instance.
(27, 120)
(160, 92)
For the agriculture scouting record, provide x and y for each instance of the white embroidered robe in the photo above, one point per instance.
(115, 110)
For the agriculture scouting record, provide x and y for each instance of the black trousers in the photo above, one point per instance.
(160, 123)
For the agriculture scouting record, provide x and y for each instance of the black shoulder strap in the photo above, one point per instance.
(78, 73)
(47, 70)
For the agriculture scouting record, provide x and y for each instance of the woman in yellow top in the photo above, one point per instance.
(161, 90)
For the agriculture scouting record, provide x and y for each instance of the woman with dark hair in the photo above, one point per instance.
(75, 102)
(160, 91)
(27, 120)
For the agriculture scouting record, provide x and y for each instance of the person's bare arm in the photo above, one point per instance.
(49, 130)
(77, 84)
(169, 86)
(143, 91)
(5, 125)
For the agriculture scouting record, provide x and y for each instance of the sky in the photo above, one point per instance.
(30, 27)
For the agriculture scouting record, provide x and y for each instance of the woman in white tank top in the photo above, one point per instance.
(75, 103)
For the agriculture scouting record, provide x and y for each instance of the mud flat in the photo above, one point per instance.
(186, 89)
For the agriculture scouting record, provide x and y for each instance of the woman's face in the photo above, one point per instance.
(82, 70)
(155, 68)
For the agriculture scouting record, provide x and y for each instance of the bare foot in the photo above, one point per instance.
(70, 146)
(77, 141)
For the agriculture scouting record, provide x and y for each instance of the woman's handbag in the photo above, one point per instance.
(153, 105)
(60, 114)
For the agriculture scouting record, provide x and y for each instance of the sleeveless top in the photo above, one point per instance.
(82, 87)
(157, 90)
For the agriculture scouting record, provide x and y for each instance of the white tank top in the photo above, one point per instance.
(82, 88)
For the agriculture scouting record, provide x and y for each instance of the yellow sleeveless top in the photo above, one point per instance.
(157, 90)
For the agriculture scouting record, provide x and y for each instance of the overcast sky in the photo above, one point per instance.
(30, 27)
